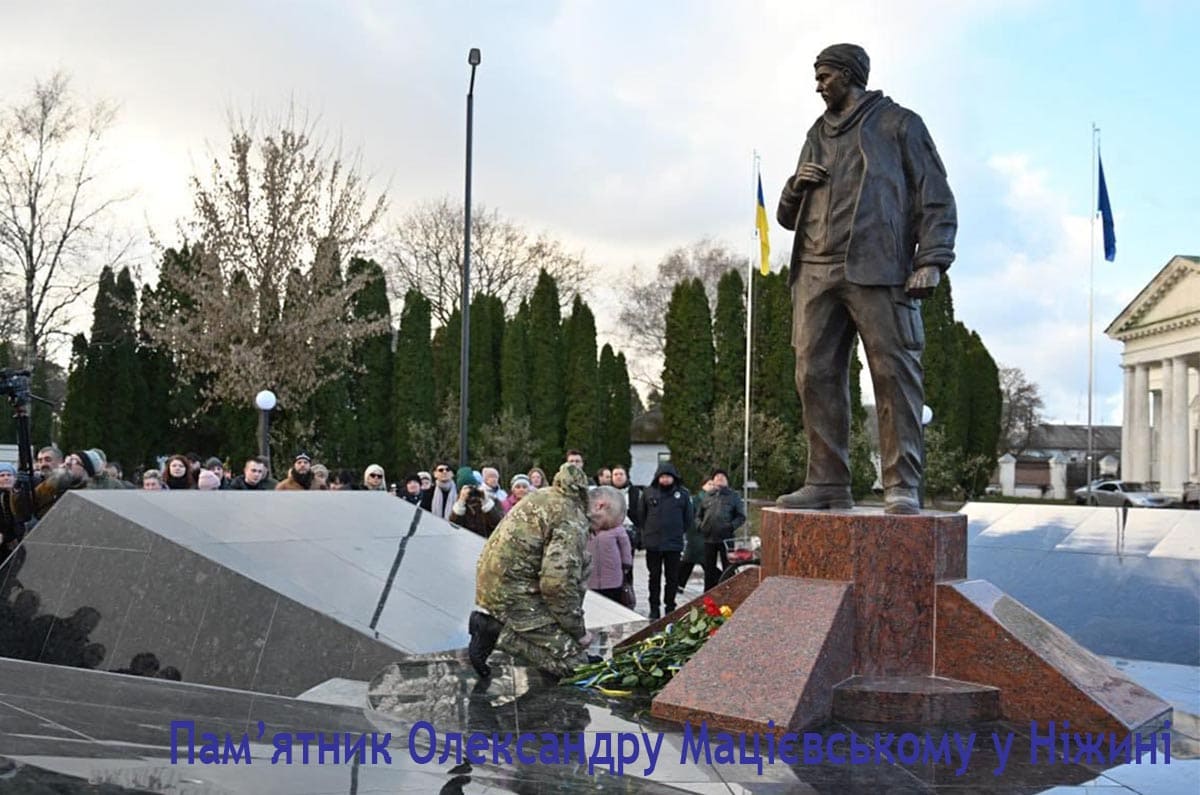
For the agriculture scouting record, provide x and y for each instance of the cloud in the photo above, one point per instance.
(1022, 283)
(620, 127)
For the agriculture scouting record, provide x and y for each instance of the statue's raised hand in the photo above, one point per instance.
(811, 174)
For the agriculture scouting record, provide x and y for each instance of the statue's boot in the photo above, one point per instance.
(901, 501)
(818, 498)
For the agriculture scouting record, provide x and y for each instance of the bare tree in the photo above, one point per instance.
(268, 305)
(54, 229)
(644, 301)
(427, 255)
(1021, 409)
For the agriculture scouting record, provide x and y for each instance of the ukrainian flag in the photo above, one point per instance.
(760, 222)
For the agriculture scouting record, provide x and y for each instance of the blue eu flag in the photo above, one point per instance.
(1106, 217)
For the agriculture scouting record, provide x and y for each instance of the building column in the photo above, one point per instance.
(1140, 433)
(1127, 424)
(1180, 431)
(1164, 422)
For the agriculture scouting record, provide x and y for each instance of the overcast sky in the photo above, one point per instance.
(627, 128)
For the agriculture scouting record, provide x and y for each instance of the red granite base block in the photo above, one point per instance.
(914, 699)
(777, 659)
(732, 592)
(812, 544)
(986, 636)
(950, 562)
(894, 563)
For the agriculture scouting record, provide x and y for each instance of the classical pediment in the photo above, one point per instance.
(1169, 301)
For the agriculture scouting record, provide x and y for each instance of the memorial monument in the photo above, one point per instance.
(858, 614)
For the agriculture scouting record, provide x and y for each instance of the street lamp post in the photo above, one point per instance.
(265, 401)
(465, 302)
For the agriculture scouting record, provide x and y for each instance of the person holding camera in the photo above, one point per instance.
(476, 510)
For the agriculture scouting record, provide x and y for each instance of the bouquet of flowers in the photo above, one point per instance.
(648, 665)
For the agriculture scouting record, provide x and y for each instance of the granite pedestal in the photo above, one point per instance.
(859, 615)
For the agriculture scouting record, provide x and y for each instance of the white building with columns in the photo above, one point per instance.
(1160, 329)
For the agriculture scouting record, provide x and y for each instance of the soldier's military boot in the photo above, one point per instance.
(485, 631)
(818, 498)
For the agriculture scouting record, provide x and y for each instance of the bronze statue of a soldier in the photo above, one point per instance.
(875, 224)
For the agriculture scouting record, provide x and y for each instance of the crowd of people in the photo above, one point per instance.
(551, 538)
(676, 529)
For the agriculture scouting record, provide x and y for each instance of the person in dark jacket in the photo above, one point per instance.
(722, 512)
(254, 477)
(632, 493)
(664, 513)
(475, 510)
(412, 491)
(693, 543)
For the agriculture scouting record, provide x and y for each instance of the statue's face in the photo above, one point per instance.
(833, 85)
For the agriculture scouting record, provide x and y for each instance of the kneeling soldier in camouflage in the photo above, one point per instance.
(531, 578)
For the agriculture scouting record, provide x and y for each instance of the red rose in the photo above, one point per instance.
(712, 632)
(710, 607)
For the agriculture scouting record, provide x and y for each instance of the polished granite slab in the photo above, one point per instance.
(231, 588)
(72, 731)
(1121, 583)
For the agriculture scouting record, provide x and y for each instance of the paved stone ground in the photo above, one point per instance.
(641, 583)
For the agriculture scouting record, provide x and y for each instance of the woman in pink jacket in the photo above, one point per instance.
(612, 556)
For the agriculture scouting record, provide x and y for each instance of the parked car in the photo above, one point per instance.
(1121, 492)
(1191, 496)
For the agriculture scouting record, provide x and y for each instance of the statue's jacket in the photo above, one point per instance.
(904, 215)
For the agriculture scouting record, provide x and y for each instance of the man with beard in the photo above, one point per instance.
(875, 225)
(81, 470)
(300, 476)
(49, 459)
(531, 579)
(254, 477)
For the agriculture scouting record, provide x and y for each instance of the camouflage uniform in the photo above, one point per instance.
(533, 573)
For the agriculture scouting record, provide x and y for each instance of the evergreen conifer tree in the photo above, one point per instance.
(616, 412)
(514, 364)
(78, 420)
(41, 416)
(621, 412)
(942, 361)
(982, 406)
(371, 382)
(158, 377)
(487, 342)
(413, 392)
(325, 424)
(729, 338)
(178, 399)
(547, 359)
(688, 364)
(583, 397)
(447, 344)
(773, 377)
(125, 436)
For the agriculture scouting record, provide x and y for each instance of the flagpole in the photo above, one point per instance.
(749, 341)
(1091, 291)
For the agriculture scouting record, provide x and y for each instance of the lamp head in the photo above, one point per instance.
(473, 56)
(265, 400)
